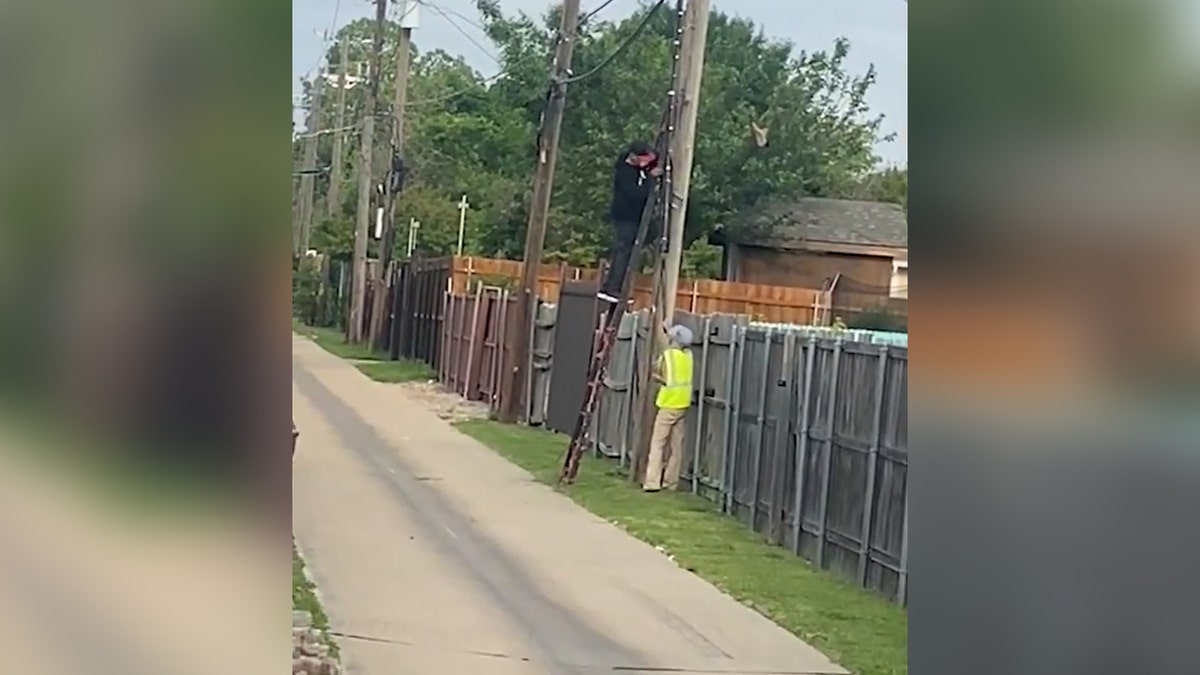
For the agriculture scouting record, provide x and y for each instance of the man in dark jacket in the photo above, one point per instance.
(632, 185)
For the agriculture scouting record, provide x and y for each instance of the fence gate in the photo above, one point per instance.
(574, 335)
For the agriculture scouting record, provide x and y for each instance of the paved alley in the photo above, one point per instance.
(433, 555)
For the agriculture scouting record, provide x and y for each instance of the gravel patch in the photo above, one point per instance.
(446, 404)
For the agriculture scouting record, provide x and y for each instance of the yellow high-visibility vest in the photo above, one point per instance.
(676, 392)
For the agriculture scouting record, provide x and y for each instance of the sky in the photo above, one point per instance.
(877, 30)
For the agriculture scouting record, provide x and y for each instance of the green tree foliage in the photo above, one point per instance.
(472, 134)
(889, 185)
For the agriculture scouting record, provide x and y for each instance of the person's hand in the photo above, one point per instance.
(656, 171)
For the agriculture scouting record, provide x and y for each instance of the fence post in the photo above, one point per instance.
(695, 283)
(498, 359)
(471, 345)
(733, 411)
(783, 434)
(802, 442)
(761, 421)
(902, 588)
(827, 460)
(630, 391)
(443, 337)
(700, 406)
(872, 465)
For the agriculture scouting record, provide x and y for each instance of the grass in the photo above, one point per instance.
(304, 597)
(864, 633)
(332, 341)
(405, 370)
(373, 364)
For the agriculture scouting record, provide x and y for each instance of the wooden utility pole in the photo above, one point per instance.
(684, 145)
(535, 235)
(309, 162)
(333, 199)
(682, 152)
(358, 289)
(387, 240)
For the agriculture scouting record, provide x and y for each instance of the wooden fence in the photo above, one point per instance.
(477, 337)
(773, 304)
(801, 438)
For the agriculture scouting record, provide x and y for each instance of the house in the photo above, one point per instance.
(811, 241)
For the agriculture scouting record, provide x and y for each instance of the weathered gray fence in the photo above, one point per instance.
(799, 434)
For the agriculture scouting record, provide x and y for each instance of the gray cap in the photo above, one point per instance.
(680, 335)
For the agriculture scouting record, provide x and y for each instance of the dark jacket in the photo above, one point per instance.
(631, 187)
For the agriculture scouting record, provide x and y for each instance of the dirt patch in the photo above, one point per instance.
(446, 404)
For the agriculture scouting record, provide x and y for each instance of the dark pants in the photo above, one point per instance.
(622, 252)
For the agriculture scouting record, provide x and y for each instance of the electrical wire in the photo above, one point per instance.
(620, 48)
(460, 29)
(457, 13)
(586, 17)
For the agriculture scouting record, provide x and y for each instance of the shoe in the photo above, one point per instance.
(612, 300)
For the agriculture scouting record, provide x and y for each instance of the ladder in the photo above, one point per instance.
(610, 320)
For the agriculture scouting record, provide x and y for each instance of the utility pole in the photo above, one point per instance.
(333, 199)
(684, 145)
(308, 180)
(387, 242)
(682, 152)
(462, 221)
(535, 235)
(358, 289)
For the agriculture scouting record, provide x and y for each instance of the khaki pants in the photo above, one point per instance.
(666, 445)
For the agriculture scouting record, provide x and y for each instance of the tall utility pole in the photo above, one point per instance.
(535, 235)
(387, 241)
(684, 145)
(358, 289)
(308, 179)
(682, 152)
(333, 200)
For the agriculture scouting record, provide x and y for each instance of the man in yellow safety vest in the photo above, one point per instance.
(674, 372)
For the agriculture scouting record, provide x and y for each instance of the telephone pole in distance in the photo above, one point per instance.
(409, 19)
(535, 235)
(354, 327)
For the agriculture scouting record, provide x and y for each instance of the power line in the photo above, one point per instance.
(460, 29)
(457, 13)
(583, 19)
(620, 48)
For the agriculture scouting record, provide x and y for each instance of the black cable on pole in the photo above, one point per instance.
(620, 48)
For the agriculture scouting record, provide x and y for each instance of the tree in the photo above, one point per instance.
(888, 185)
(476, 135)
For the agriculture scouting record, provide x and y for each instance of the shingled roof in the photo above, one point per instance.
(793, 224)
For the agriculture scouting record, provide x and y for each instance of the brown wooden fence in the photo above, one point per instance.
(775, 304)
(477, 336)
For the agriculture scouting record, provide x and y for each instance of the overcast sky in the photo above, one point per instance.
(877, 30)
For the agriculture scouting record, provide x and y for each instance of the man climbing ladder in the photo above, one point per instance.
(633, 183)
